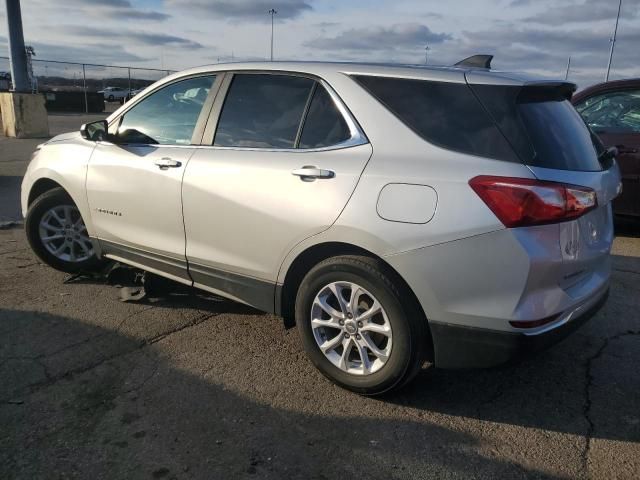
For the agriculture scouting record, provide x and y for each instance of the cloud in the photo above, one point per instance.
(134, 14)
(380, 38)
(585, 12)
(94, 53)
(544, 51)
(118, 9)
(585, 41)
(141, 38)
(252, 10)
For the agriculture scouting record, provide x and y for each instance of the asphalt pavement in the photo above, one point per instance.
(183, 385)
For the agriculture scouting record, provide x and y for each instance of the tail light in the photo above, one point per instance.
(519, 202)
(534, 323)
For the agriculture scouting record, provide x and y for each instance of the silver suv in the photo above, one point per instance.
(394, 214)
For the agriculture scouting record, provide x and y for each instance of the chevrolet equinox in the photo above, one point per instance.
(394, 214)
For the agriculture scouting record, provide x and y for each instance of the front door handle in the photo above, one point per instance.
(166, 162)
(309, 172)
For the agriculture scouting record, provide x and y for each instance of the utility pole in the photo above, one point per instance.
(566, 75)
(272, 12)
(426, 55)
(17, 52)
(84, 89)
(613, 42)
(23, 112)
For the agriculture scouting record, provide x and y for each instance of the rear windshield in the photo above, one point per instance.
(443, 113)
(542, 126)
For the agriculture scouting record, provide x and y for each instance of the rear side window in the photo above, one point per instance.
(445, 114)
(324, 125)
(263, 111)
(542, 125)
(612, 112)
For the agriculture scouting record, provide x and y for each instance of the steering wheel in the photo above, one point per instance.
(189, 101)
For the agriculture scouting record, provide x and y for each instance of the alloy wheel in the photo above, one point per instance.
(64, 234)
(351, 328)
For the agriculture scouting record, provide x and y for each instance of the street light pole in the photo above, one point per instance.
(613, 42)
(426, 54)
(566, 75)
(272, 12)
(17, 52)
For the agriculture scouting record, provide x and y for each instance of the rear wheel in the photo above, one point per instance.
(358, 327)
(57, 233)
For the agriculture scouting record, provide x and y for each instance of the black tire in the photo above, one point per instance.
(409, 326)
(39, 207)
(111, 98)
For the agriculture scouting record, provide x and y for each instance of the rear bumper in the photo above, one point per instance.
(458, 346)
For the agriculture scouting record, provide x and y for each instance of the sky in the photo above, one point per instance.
(535, 36)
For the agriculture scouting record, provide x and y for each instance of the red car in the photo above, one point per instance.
(612, 110)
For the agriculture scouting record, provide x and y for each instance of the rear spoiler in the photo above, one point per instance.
(479, 73)
(545, 89)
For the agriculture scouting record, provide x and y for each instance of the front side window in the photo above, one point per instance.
(168, 116)
(617, 112)
(263, 111)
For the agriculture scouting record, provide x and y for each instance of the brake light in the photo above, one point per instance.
(519, 202)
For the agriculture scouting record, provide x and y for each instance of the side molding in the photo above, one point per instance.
(252, 291)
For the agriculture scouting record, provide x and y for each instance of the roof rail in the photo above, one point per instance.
(476, 61)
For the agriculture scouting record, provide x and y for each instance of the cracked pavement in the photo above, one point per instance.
(185, 385)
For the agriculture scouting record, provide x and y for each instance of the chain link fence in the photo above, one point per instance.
(86, 79)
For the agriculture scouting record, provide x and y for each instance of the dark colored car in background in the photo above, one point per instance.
(612, 110)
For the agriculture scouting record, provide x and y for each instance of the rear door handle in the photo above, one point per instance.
(623, 149)
(308, 172)
(166, 162)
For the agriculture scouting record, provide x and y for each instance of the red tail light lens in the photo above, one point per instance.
(519, 202)
(533, 323)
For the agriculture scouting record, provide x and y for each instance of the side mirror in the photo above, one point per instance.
(94, 131)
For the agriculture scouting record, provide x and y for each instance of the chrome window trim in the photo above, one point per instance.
(337, 146)
(357, 135)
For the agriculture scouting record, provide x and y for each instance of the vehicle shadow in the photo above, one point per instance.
(550, 390)
(10, 198)
(132, 410)
(149, 289)
(627, 227)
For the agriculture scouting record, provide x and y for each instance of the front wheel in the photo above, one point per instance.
(57, 233)
(359, 327)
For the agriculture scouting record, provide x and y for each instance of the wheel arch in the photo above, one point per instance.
(311, 256)
(44, 178)
(40, 186)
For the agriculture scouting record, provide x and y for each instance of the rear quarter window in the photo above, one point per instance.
(445, 114)
(542, 125)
